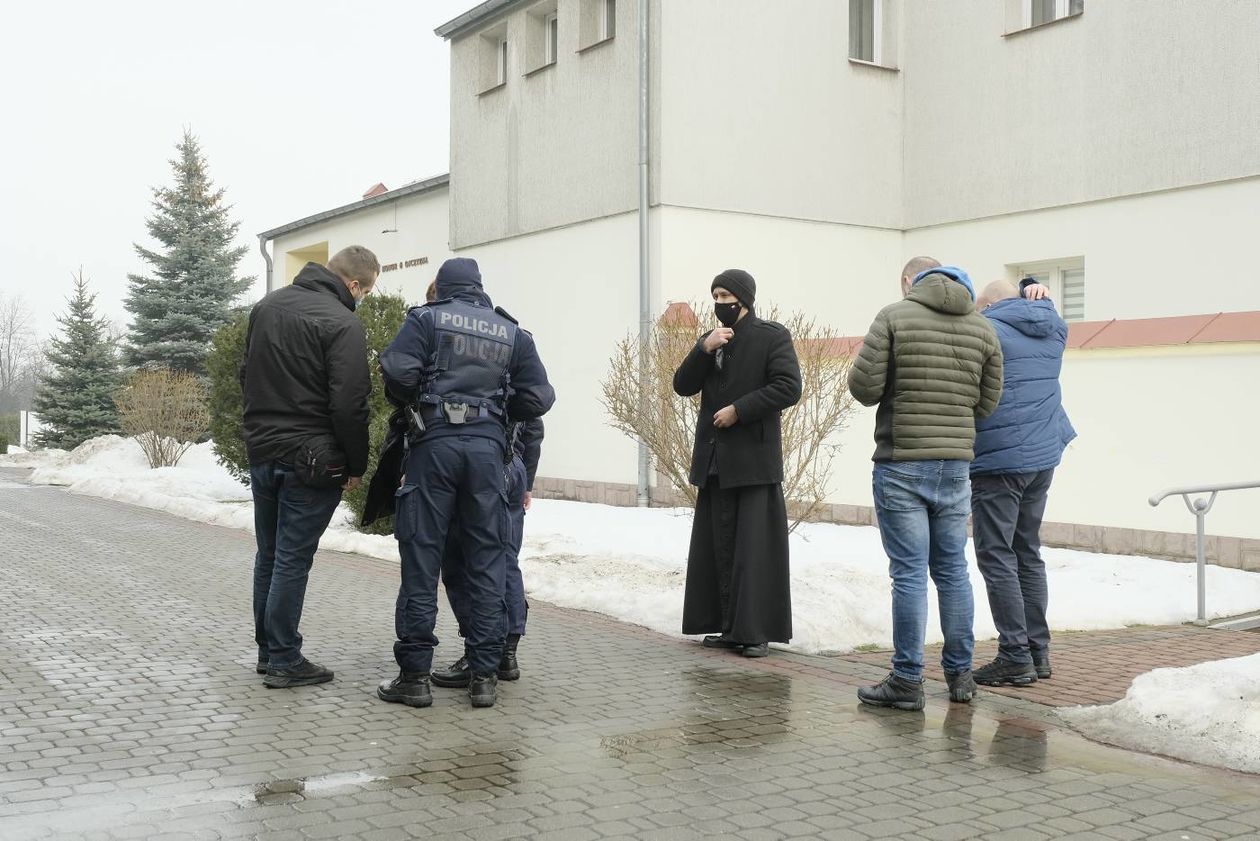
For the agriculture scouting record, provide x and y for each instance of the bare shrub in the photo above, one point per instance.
(646, 408)
(165, 411)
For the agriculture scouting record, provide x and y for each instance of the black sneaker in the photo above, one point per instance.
(720, 641)
(454, 676)
(483, 690)
(304, 673)
(894, 692)
(962, 687)
(761, 649)
(261, 668)
(1005, 673)
(410, 688)
(1041, 662)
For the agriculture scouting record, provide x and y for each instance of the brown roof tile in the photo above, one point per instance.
(1230, 327)
(1148, 332)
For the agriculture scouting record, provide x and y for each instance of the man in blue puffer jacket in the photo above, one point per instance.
(1017, 449)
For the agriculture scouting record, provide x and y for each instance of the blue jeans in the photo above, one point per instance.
(922, 509)
(453, 561)
(289, 519)
(459, 484)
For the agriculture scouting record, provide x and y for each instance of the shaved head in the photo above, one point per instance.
(998, 290)
(918, 265)
(914, 268)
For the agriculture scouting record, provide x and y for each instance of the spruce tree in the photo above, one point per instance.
(188, 295)
(75, 401)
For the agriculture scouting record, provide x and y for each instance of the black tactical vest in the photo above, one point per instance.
(473, 350)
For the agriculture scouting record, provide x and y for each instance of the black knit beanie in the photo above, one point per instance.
(739, 283)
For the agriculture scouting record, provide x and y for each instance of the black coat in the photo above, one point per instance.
(760, 377)
(305, 372)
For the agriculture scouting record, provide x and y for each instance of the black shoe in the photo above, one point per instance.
(454, 676)
(483, 690)
(410, 688)
(261, 668)
(304, 673)
(720, 641)
(1041, 662)
(1006, 673)
(894, 692)
(962, 687)
(761, 649)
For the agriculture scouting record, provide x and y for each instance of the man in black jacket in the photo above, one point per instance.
(305, 383)
(738, 585)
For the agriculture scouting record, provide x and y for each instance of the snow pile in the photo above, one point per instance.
(630, 563)
(1209, 713)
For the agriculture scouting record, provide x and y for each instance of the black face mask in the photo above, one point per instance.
(728, 314)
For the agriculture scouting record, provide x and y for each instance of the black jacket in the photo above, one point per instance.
(305, 372)
(760, 377)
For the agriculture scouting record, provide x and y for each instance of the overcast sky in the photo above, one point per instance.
(299, 106)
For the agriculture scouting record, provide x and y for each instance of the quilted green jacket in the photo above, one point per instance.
(934, 365)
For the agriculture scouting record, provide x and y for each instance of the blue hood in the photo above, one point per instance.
(952, 272)
(1036, 319)
(459, 277)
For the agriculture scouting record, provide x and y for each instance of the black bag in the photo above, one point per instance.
(321, 463)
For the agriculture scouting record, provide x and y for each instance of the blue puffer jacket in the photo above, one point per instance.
(1029, 429)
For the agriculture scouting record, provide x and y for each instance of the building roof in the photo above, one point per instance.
(474, 16)
(413, 189)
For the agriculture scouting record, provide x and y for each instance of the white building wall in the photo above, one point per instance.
(577, 290)
(761, 111)
(1130, 97)
(1147, 419)
(546, 149)
(1177, 252)
(421, 222)
(841, 274)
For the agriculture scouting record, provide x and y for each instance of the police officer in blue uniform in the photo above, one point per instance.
(527, 448)
(465, 373)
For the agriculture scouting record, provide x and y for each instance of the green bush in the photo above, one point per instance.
(4, 445)
(11, 426)
(227, 407)
(382, 315)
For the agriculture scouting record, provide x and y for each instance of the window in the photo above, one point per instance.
(1066, 279)
(608, 20)
(1025, 14)
(871, 32)
(863, 27)
(551, 28)
(597, 22)
(494, 58)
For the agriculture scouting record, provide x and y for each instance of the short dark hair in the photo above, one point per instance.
(354, 262)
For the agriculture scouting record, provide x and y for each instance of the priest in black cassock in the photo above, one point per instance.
(738, 584)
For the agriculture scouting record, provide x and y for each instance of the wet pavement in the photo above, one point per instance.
(129, 709)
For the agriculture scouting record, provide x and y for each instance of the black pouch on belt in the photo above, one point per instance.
(321, 463)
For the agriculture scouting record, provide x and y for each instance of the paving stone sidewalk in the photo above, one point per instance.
(129, 709)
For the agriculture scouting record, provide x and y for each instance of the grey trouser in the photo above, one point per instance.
(1006, 510)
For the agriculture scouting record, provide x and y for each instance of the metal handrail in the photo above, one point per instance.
(1200, 508)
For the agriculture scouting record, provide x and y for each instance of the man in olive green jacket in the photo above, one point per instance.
(933, 365)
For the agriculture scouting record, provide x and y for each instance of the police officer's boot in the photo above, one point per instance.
(454, 676)
(410, 688)
(509, 669)
(483, 690)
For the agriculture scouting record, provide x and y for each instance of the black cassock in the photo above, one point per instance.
(738, 579)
